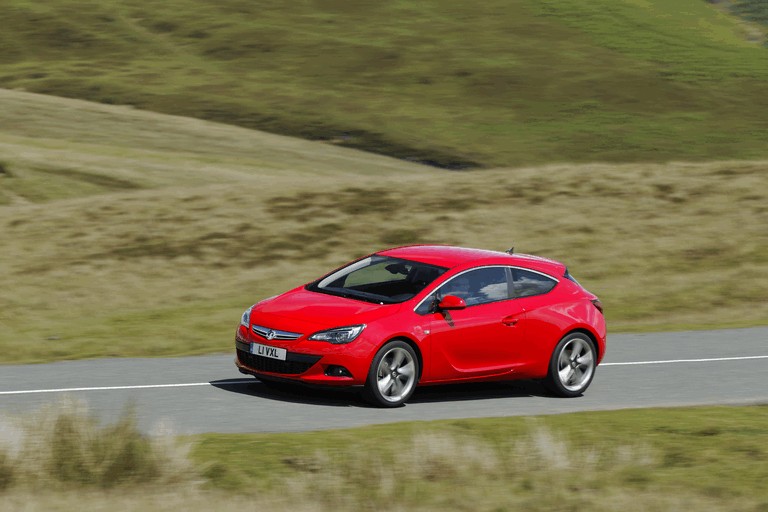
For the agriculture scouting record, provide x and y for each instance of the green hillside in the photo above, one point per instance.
(448, 82)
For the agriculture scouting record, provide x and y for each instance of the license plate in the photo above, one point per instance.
(266, 351)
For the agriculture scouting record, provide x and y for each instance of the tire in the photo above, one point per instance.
(572, 365)
(393, 375)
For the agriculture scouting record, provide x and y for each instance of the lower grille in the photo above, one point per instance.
(266, 364)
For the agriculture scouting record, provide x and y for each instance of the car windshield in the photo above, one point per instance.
(379, 279)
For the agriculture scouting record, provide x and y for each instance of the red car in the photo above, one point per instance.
(427, 314)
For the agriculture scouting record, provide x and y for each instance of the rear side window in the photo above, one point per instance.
(570, 277)
(527, 284)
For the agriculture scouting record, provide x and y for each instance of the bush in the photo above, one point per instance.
(753, 10)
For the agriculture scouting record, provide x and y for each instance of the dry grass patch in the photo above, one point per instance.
(123, 241)
(62, 447)
(165, 271)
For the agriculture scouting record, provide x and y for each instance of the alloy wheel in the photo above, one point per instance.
(396, 375)
(575, 364)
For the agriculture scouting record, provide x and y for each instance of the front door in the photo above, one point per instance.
(485, 338)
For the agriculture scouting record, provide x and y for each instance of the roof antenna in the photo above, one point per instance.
(511, 250)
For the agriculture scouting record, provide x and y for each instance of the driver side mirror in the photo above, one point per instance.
(451, 302)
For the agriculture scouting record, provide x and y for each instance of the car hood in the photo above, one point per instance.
(303, 311)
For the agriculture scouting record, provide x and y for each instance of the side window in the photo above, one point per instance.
(478, 286)
(527, 284)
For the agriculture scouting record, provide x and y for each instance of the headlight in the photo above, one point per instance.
(246, 318)
(340, 335)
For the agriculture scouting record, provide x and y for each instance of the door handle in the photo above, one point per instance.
(510, 321)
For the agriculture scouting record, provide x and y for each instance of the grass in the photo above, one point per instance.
(637, 460)
(443, 82)
(711, 458)
(117, 242)
(63, 447)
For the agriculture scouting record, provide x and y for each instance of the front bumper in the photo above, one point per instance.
(294, 364)
(302, 367)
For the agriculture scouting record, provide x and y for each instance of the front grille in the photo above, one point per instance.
(294, 365)
(274, 334)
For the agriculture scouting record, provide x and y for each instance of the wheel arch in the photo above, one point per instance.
(591, 336)
(414, 346)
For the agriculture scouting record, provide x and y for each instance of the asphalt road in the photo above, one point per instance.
(207, 394)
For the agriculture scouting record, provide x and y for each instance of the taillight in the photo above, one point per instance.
(598, 305)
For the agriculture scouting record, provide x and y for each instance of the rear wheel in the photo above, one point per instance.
(393, 375)
(572, 365)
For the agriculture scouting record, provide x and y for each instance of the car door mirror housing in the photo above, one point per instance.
(451, 302)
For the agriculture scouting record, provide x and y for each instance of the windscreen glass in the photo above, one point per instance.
(379, 279)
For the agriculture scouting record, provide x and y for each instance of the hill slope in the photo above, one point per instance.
(128, 233)
(446, 82)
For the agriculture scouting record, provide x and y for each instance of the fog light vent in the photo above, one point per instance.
(337, 371)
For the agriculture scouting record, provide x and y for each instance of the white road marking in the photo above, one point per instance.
(245, 381)
(114, 388)
(673, 361)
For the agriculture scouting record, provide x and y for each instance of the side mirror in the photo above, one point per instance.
(451, 302)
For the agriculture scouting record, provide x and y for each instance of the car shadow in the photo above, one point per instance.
(479, 391)
(293, 393)
(345, 397)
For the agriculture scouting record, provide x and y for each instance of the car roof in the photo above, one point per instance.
(450, 256)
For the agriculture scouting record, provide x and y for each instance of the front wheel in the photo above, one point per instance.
(393, 375)
(572, 365)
